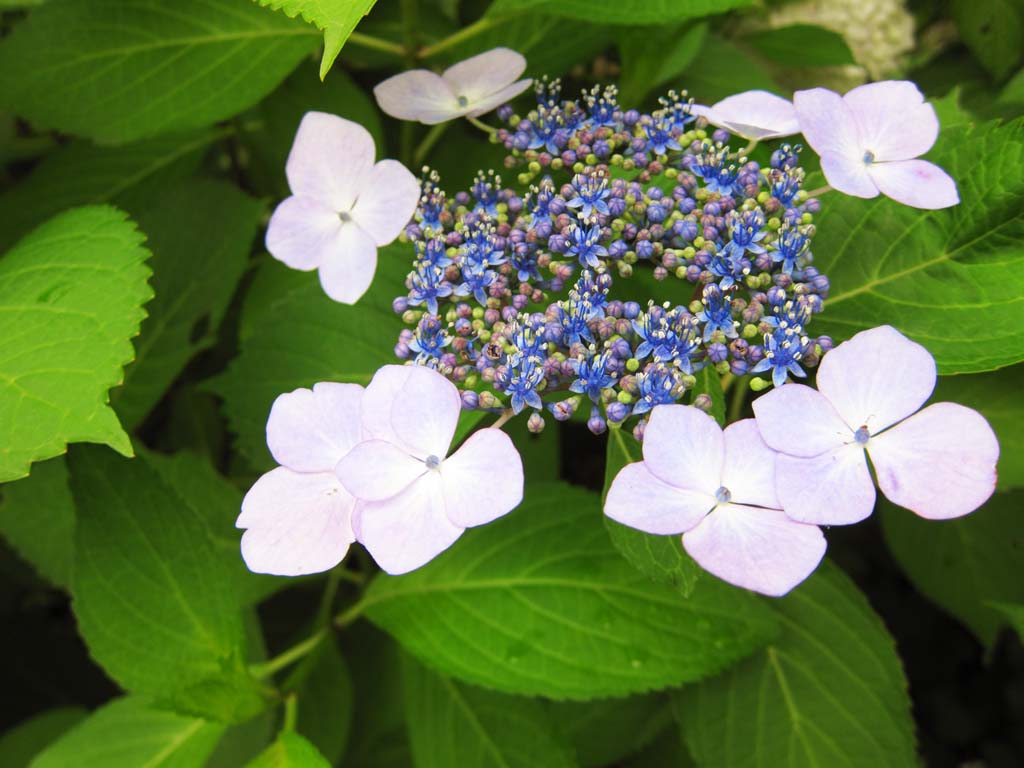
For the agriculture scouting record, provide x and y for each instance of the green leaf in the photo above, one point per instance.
(200, 233)
(655, 55)
(325, 701)
(661, 558)
(455, 724)
(1014, 614)
(709, 383)
(667, 750)
(953, 279)
(154, 597)
(290, 751)
(72, 293)
(802, 45)
(604, 731)
(631, 12)
(997, 396)
(118, 70)
(37, 518)
(963, 564)
(829, 692)
(337, 19)
(23, 742)
(1013, 91)
(734, 71)
(158, 739)
(993, 30)
(553, 611)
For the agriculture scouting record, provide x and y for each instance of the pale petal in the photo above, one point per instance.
(296, 523)
(876, 378)
(310, 429)
(639, 499)
(414, 407)
(800, 421)
(755, 115)
(347, 272)
(303, 232)
(376, 470)
(483, 480)
(939, 463)
(386, 201)
(749, 469)
(684, 447)
(417, 95)
(916, 183)
(848, 174)
(826, 121)
(834, 488)
(329, 158)
(485, 74)
(496, 99)
(893, 119)
(408, 530)
(755, 548)
(380, 395)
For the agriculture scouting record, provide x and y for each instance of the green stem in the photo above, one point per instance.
(299, 650)
(291, 712)
(819, 191)
(739, 397)
(507, 414)
(466, 33)
(376, 44)
(428, 142)
(351, 614)
(481, 125)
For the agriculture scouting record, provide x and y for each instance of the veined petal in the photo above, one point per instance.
(417, 95)
(296, 523)
(756, 548)
(848, 173)
(893, 119)
(749, 469)
(303, 232)
(414, 407)
(916, 183)
(387, 201)
(827, 122)
(376, 470)
(310, 429)
(380, 395)
(877, 378)
(347, 272)
(800, 421)
(329, 158)
(940, 463)
(683, 446)
(834, 488)
(639, 499)
(485, 74)
(754, 115)
(496, 99)
(483, 480)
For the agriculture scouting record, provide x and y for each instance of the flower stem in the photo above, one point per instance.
(750, 147)
(428, 142)
(291, 712)
(466, 33)
(507, 414)
(351, 614)
(377, 44)
(299, 650)
(481, 125)
(819, 191)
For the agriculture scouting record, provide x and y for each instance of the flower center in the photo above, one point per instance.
(861, 436)
(345, 216)
(432, 462)
(723, 495)
(869, 157)
(463, 101)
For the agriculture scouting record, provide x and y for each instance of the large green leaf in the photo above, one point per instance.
(37, 518)
(802, 45)
(964, 564)
(453, 724)
(23, 742)
(129, 733)
(606, 730)
(630, 12)
(655, 55)
(993, 30)
(118, 70)
(290, 751)
(540, 603)
(200, 233)
(734, 71)
(337, 19)
(828, 692)
(325, 701)
(953, 279)
(71, 295)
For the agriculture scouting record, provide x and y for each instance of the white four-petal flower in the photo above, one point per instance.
(752, 115)
(468, 89)
(717, 488)
(939, 462)
(343, 206)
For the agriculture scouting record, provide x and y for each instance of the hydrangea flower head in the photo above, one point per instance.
(717, 488)
(468, 89)
(939, 462)
(343, 206)
(752, 115)
(870, 138)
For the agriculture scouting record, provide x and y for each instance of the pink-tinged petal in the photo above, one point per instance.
(639, 499)
(417, 95)
(408, 530)
(756, 548)
(376, 470)
(749, 469)
(386, 201)
(826, 121)
(940, 463)
(426, 412)
(329, 158)
(297, 523)
(346, 274)
(848, 174)
(483, 480)
(755, 115)
(893, 119)
(876, 378)
(310, 429)
(380, 395)
(683, 446)
(834, 488)
(303, 232)
(800, 421)
(496, 99)
(916, 183)
(483, 75)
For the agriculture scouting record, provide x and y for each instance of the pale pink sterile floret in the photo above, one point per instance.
(869, 139)
(415, 498)
(939, 462)
(752, 115)
(343, 205)
(468, 89)
(717, 488)
(298, 516)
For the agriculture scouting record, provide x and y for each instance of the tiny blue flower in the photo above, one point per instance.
(586, 246)
(476, 282)
(782, 352)
(658, 385)
(660, 138)
(428, 285)
(791, 245)
(591, 375)
(429, 340)
(591, 193)
(717, 313)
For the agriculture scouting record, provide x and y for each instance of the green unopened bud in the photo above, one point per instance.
(533, 167)
(806, 218)
(625, 270)
(578, 167)
(722, 367)
(628, 164)
(478, 313)
(616, 160)
(749, 331)
(632, 365)
(680, 272)
(625, 398)
(695, 306)
(758, 384)
(689, 381)
(489, 400)
(556, 164)
(411, 316)
(523, 178)
(689, 252)
(470, 381)
(671, 173)
(698, 242)
(774, 223)
(591, 159)
(618, 225)
(629, 257)
(763, 197)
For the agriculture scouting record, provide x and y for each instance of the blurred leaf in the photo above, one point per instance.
(290, 751)
(966, 564)
(709, 383)
(604, 731)
(118, 70)
(452, 724)
(829, 691)
(630, 12)
(655, 55)
(732, 71)
(993, 30)
(666, 750)
(1013, 91)
(37, 518)
(802, 45)
(1014, 614)
(200, 233)
(553, 611)
(27, 739)
(158, 739)
(952, 279)
(71, 294)
(337, 19)
(325, 700)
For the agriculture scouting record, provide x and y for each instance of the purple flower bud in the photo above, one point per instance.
(596, 422)
(470, 400)
(535, 423)
(617, 411)
(717, 352)
(562, 410)
(738, 367)
(704, 402)
(400, 304)
(638, 430)
(631, 310)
